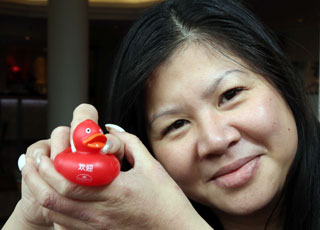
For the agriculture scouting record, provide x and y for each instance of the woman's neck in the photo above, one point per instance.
(269, 218)
(252, 222)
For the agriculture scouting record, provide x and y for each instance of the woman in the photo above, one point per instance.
(226, 29)
(212, 96)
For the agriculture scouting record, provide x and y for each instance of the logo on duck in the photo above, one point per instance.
(84, 178)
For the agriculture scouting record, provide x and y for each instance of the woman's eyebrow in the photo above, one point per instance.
(214, 85)
(170, 111)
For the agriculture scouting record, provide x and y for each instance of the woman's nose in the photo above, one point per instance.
(216, 134)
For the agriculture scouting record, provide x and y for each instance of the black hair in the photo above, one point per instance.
(162, 29)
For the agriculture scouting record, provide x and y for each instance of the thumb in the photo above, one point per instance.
(134, 150)
(81, 113)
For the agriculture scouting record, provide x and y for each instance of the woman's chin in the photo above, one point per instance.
(254, 207)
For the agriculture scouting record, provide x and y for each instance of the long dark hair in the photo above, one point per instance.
(228, 26)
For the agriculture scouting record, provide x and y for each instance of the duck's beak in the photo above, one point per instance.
(95, 141)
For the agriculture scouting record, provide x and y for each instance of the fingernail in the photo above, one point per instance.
(22, 161)
(106, 149)
(112, 126)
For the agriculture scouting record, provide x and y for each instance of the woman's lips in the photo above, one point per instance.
(237, 173)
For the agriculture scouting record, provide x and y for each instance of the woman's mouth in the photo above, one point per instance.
(237, 173)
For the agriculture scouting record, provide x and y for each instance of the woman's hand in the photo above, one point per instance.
(30, 213)
(145, 197)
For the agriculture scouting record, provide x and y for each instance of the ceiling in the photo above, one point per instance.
(117, 15)
(98, 9)
(284, 12)
(23, 23)
(123, 3)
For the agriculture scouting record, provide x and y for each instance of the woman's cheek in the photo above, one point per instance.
(177, 159)
(261, 119)
(273, 126)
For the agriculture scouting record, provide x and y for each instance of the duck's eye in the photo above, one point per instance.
(101, 131)
(88, 130)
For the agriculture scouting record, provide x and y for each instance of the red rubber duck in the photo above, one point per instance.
(83, 163)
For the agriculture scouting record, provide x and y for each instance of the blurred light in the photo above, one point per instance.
(300, 20)
(13, 102)
(94, 2)
(15, 69)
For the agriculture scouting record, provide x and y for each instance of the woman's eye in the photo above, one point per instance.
(174, 126)
(229, 94)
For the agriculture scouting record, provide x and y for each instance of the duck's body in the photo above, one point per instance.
(84, 163)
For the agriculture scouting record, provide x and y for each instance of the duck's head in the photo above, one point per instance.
(88, 137)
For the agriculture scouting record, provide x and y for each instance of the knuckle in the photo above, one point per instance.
(86, 215)
(42, 170)
(47, 199)
(114, 200)
(58, 130)
(39, 146)
(48, 215)
(127, 191)
(66, 188)
(100, 222)
(134, 138)
(26, 173)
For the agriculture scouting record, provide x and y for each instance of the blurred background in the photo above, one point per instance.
(55, 55)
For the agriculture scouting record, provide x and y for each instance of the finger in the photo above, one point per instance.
(80, 114)
(48, 198)
(83, 112)
(115, 127)
(59, 227)
(38, 149)
(66, 188)
(59, 140)
(134, 150)
(114, 146)
(42, 147)
(63, 222)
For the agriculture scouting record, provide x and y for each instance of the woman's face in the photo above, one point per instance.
(222, 132)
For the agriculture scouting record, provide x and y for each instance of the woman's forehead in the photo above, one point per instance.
(186, 56)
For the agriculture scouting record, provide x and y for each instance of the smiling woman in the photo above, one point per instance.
(231, 139)
(213, 96)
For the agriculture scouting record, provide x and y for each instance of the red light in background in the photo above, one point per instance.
(15, 69)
